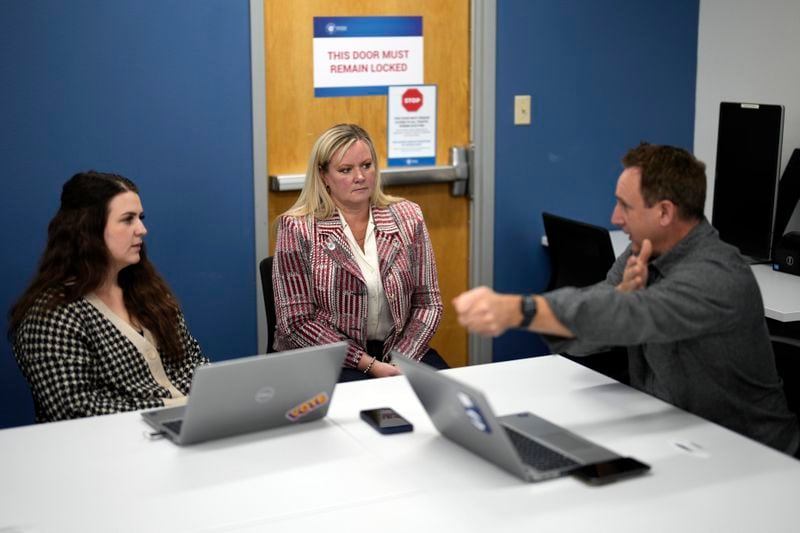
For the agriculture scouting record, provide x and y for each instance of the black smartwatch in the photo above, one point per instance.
(528, 308)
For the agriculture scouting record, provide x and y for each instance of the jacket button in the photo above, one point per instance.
(331, 246)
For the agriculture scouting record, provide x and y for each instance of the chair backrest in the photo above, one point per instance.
(580, 254)
(787, 362)
(265, 269)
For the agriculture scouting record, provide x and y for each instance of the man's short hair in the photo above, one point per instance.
(670, 173)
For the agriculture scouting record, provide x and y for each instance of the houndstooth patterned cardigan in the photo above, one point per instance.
(78, 364)
(320, 293)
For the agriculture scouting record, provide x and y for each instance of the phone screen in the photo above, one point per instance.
(386, 420)
(608, 471)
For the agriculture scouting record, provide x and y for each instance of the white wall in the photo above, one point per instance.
(747, 51)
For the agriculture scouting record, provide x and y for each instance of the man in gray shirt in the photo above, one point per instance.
(685, 304)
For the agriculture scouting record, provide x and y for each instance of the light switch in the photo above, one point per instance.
(522, 109)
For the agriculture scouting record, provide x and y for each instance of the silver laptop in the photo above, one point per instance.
(526, 445)
(254, 393)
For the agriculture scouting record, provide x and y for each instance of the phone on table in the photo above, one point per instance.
(386, 420)
(612, 470)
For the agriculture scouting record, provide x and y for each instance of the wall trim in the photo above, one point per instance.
(259, 124)
(483, 36)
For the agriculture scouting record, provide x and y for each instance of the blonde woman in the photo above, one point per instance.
(352, 263)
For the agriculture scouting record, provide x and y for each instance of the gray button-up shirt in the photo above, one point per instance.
(696, 336)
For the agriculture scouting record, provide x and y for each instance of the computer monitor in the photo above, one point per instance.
(747, 172)
(788, 195)
(580, 253)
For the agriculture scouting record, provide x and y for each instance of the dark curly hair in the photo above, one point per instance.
(76, 259)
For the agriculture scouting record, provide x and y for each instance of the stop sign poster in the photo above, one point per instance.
(411, 128)
(364, 55)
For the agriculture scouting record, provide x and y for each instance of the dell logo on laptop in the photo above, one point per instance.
(265, 394)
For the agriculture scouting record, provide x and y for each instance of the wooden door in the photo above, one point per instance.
(295, 118)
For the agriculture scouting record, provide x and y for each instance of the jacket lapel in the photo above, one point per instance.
(333, 243)
(387, 237)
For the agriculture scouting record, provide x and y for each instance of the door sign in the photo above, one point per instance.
(411, 128)
(364, 55)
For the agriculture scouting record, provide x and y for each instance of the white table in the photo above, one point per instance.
(338, 474)
(781, 293)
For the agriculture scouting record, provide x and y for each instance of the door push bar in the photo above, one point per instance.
(457, 173)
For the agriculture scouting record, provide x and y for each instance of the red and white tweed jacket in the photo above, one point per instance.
(321, 296)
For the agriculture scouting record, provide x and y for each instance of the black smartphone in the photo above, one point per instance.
(612, 470)
(386, 420)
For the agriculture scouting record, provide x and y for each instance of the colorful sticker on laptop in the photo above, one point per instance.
(473, 413)
(307, 407)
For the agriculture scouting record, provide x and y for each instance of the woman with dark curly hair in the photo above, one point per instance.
(98, 330)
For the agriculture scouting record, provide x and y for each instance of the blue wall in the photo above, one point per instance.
(157, 90)
(603, 76)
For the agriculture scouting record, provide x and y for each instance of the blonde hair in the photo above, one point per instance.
(314, 198)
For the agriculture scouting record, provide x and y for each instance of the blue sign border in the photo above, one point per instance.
(367, 27)
(380, 90)
(411, 161)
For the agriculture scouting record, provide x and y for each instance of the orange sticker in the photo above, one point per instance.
(307, 406)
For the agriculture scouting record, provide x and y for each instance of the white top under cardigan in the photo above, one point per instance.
(379, 317)
(146, 345)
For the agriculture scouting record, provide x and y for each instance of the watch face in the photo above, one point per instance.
(528, 310)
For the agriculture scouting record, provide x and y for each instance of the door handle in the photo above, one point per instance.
(457, 172)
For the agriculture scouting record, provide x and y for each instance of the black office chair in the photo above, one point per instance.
(787, 361)
(580, 255)
(785, 338)
(265, 269)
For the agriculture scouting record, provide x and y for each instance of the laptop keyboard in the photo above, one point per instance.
(538, 455)
(174, 425)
